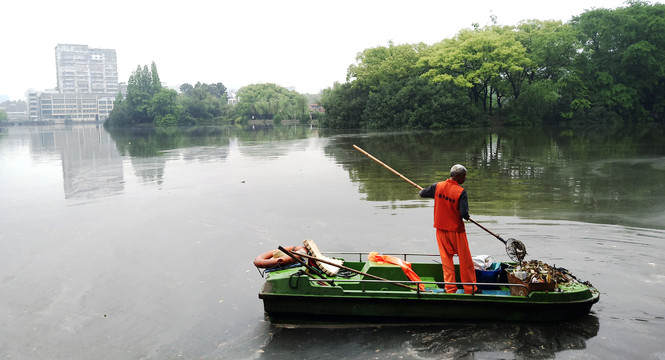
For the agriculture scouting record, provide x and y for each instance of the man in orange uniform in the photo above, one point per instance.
(450, 207)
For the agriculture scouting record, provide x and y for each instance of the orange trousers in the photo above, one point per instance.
(451, 243)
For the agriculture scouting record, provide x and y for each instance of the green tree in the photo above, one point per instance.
(218, 90)
(186, 89)
(164, 108)
(156, 83)
(344, 105)
(413, 103)
(382, 65)
(621, 62)
(203, 103)
(483, 61)
(550, 45)
(384, 90)
(120, 115)
(146, 101)
(269, 101)
(141, 87)
(538, 100)
(3, 115)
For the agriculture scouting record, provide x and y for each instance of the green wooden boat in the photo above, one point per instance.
(294, 296)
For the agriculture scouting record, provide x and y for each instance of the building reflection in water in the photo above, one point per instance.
(91, 164)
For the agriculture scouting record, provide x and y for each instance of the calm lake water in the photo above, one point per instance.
(139, 245)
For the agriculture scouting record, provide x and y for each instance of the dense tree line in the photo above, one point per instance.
(148, 103)
(270, 102)
(604, 66)
(203, 104)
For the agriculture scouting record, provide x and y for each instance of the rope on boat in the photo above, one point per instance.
(345, 274)
(297, 276)
(276, 268)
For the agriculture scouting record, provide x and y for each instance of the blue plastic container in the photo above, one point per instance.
(491, 275)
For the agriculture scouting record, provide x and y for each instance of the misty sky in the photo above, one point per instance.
(303, 44)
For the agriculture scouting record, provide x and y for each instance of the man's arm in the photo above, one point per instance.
(428, 192)
(464, 206)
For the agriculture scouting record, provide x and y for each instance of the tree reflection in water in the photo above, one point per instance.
(606, 176)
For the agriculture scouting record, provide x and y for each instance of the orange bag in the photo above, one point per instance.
(406, 266)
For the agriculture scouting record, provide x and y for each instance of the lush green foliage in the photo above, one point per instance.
(163, 108)
(203, 103)
(270, 102)
(137, 107)
(3, 115)
(344, 106)
(605, 66)
(621, 63)
(147, 102)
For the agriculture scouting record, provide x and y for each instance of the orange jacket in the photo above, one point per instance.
(446, 206)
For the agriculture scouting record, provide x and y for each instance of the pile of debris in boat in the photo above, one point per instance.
(539, 276)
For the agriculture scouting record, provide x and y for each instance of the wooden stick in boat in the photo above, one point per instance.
(313, 270)
(350, 269)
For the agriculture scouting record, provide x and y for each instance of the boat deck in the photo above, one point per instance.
(431, 276)
(293, 295)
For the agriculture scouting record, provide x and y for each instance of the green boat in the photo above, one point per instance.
(367, 292)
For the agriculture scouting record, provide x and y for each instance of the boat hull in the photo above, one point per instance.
(292, 298)
(377, 310)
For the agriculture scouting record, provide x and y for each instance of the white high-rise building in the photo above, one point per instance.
(87, 86)
(81, 69)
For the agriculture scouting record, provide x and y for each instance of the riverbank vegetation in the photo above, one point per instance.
(604, 67)
(148, 103)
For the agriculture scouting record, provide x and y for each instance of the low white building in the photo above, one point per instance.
(68, 107)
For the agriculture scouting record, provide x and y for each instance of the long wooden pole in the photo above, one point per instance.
(486, 229)
(388, 167)
(420, 188)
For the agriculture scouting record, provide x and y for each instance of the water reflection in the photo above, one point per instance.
(610, 176)
(91, 159)
(251, 142)
(613, 176)
(148, 142)
(91, 167)
(453, 341)
(150, 149)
